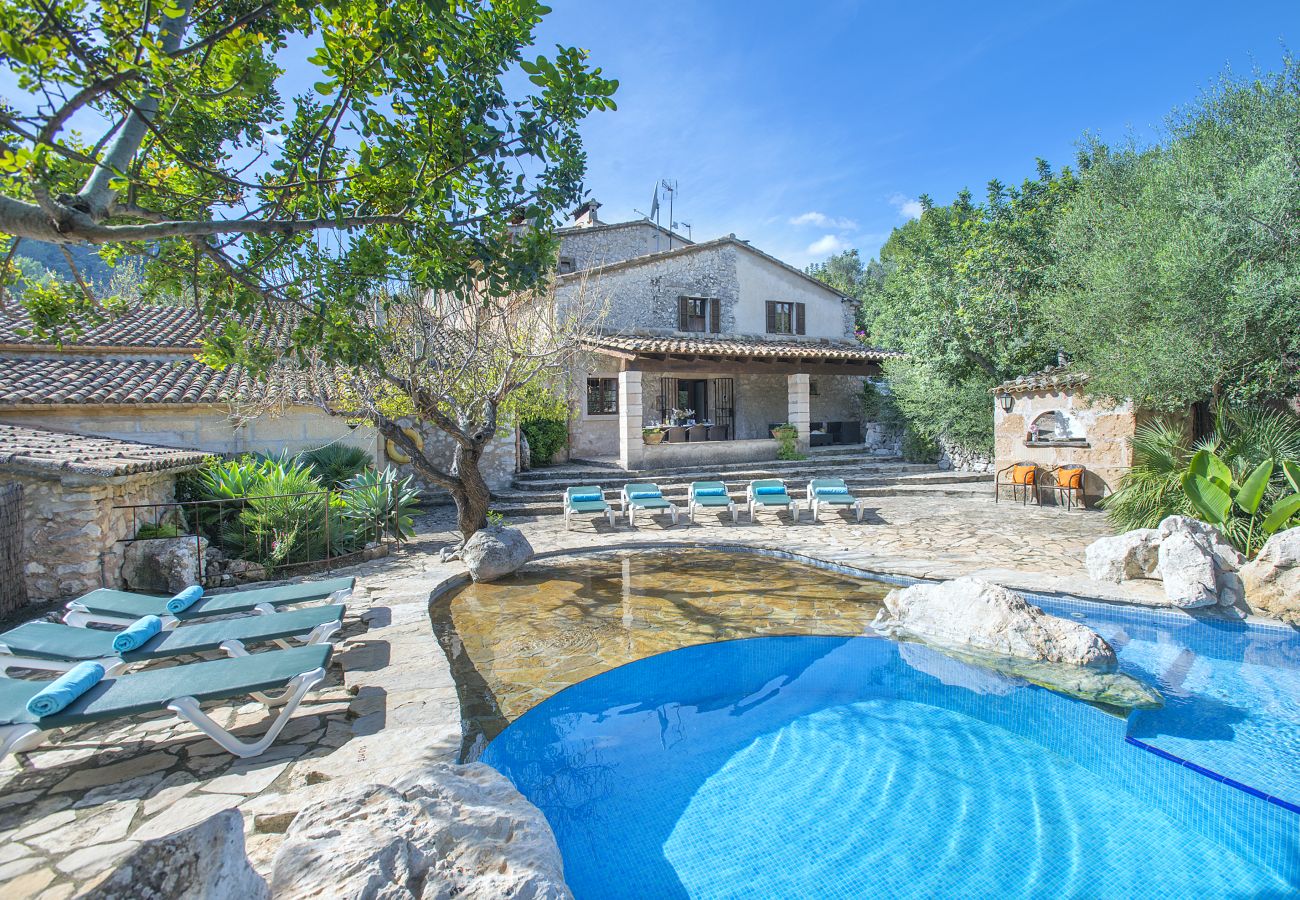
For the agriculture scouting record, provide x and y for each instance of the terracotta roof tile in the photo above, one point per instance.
(24, 447)
(734, 348)
(1053, 378)
(104, 380)
(144, 328)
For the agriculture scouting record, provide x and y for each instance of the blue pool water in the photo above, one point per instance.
(855, 767)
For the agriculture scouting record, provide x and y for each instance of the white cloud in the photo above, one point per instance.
(906, 206)
(826, 245)
(821, 220)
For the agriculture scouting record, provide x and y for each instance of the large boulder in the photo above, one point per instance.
(163, 565)
(1271, 582)
(1197, 564)
(495, 552)
(203, 862)
(1133, 554)
(448, 831)
(969, 613)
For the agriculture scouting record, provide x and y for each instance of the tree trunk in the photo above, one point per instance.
(472, 495)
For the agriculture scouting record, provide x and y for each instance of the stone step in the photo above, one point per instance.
(822, 456)
(756, 471)
(942, 484)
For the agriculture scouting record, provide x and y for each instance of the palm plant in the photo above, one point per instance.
(336, 463)
(1162, 455)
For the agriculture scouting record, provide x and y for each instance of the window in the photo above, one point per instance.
(784, 317)
(699, 314)
(567, 265)
(602, 396)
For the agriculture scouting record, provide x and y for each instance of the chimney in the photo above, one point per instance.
(585, 215)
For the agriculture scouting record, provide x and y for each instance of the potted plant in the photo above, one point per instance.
(786, 432)
(652, 435)
(787, 437)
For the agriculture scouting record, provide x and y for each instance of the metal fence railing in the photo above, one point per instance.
(261, 537)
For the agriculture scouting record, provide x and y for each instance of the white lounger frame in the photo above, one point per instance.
(859, 504)
(753, 504)
(569, 513)
(628, 507)
(115, 665)
(79, 617)
(691, 506)
(23, 737)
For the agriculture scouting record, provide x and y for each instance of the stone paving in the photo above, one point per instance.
(73, 808)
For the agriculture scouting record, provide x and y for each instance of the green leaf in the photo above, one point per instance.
(1211, 501)
(1291, 469)
(1208, 466)
(1282, 512)
(1252, 489)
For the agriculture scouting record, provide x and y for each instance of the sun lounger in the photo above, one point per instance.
(49, 646)
(585, 500)
(646, 497)
(177, 688)
(833, 492)
(770, 492)
(109, 607)
(709, 495)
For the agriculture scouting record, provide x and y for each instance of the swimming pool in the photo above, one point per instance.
(837, 765)
(850, 767)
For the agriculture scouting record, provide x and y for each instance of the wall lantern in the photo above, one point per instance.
(1006, 401)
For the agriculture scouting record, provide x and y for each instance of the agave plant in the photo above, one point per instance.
(1236, 507)
(380, 503)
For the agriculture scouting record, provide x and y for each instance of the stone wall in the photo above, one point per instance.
(498, 463)
(591, 247)
(71, 530)
(960, 459)
(1104, 435)
(197, 426)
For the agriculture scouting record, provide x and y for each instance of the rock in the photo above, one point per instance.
(203, 862)
(242, 570)
(448, 831)
(495, 551)
(1133, 554)
(1271, 582)
(165, 565)
(1188, 568)
(1211, 539)
(970, 613)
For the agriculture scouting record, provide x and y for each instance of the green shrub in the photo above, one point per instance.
(546, 437)
(283, 519)
(151, 531)
(787, 437)
(918, 448)
(334, 464)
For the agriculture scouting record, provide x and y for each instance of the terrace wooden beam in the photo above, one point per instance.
(729, 366)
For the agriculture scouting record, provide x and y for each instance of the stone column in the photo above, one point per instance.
(797, 386)
(630, 444)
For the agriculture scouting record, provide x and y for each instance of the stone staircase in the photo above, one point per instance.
(541, 491)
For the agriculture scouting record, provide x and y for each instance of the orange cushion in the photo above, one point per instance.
(1023, 474)
(1070, 478)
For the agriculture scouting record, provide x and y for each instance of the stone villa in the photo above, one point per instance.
(742, 340)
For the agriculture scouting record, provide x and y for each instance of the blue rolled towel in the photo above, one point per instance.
(711, 492)
(837, 489)
(185, 599)
(645, 495)
(586, 498)
(134, 636)
(60, 693)
(770, 489)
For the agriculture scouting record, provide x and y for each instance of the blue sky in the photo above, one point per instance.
(808, 127)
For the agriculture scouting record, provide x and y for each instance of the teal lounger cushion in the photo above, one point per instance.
(831, 490)
(63, 691)
(185, 599)
(645, 495)
(711, 492)
(135, 635)
(586, 498)
(769, 489)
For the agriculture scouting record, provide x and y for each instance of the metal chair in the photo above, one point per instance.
(1067, 485)
(1023, 477)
